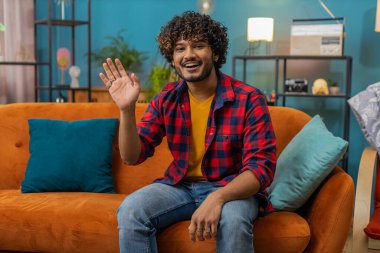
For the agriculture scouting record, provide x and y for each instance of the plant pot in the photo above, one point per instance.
(334, 90)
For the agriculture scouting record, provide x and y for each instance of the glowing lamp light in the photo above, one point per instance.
(260, 29)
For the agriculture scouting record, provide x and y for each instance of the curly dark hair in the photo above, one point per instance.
(194, 26)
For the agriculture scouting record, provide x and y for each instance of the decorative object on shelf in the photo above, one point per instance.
(2, 29)
(271, 99)
(159, 76)
(63, 62)
(333, 87)
(131, 58)
(259, 30)
(63, 4)
(299, 85)
(320, 87)
(205, 6)
(74, 72)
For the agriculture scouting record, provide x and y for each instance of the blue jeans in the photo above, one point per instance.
(157, 206)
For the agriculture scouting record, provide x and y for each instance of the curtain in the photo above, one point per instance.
(17, 45)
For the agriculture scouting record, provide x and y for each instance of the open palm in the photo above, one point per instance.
(124, 88)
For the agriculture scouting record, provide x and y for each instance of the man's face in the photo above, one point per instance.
(193, 60)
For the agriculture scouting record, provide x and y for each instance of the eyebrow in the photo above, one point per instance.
(191, 42)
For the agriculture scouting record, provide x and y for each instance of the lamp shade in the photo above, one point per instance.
(260, 29)
(377, 26)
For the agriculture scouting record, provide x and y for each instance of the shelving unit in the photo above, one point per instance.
(279, 89)
(73, 23)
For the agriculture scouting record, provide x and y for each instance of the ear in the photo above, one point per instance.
(216, 58)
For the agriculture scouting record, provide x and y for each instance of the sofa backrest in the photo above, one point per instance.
(14, 139)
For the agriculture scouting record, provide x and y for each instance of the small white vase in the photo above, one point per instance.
(334, 90)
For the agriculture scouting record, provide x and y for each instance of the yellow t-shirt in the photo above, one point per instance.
(199, 116)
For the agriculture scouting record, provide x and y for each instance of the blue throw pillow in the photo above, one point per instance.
(70, 156)
(304, 163)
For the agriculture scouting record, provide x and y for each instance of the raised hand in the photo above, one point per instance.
(123, 87)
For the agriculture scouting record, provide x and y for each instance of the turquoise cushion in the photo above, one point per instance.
(304, 163)
(70, 156)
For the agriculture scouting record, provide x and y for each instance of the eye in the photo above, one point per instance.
(179, 49)
(199, 46)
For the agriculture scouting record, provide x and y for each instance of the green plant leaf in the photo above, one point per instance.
(131, 58)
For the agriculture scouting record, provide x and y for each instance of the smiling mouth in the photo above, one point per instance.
(191, 66)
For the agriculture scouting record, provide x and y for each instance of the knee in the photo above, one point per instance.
(237, 217)
(128, 212)
(235, 224)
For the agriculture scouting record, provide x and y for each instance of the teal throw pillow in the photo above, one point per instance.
(304, 163)
(70, 156)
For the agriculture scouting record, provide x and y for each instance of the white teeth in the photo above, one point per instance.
(191, 65)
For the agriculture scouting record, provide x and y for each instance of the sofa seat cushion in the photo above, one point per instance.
(284, 232)
(59, 222)
(86, 222)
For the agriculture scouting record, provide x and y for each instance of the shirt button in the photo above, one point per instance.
(212, 133)
(182, 106)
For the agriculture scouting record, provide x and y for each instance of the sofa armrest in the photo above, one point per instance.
(363, 198)
(329, 213)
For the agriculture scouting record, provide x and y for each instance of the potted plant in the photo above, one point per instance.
(131, 58)
(333, 87)
(158, 77)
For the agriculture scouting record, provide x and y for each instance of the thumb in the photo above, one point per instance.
(135, 79)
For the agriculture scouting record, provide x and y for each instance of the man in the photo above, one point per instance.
(220, 135)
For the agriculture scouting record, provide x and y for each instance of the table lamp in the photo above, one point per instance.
(259, 29)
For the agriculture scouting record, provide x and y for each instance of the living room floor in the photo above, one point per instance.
(348, 246)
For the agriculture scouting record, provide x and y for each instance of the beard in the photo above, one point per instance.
(190, 77)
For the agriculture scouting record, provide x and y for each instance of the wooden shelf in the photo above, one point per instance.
(281, 75)
(61, 22)
(290, 57)
(23, 63)
(61, 87)
(294, 94)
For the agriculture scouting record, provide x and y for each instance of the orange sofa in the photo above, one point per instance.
(86, 222)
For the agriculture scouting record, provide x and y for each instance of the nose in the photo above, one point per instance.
(189, 53)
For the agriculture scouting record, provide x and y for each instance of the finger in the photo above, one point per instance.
(103, 78)
(207, 232)
(135, 80)
(192, 229)
(113, 68)
(214, 229)
(120, 67)
(106, 82)
(108, 71)
(200, 232)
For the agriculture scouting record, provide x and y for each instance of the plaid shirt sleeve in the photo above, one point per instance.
(259, 152)
(151, 130)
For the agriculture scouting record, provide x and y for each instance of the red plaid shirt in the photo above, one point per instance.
(239, 134)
